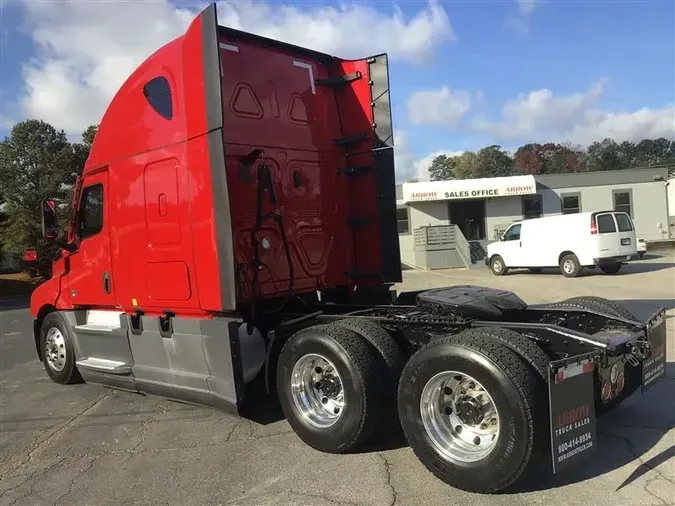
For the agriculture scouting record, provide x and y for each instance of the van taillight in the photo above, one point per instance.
(594, 226)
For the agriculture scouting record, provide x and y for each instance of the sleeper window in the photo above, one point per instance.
(90, 220)
(158, 94)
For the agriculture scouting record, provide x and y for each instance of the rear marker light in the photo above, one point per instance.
(619, 383)
(606, 391)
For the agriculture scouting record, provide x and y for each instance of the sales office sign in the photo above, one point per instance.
(469, 189)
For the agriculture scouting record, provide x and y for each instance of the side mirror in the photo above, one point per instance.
(50, 229)
(30, 255)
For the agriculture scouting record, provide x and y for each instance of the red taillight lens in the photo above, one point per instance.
(620, 381)
(606, 392)
(594, 226)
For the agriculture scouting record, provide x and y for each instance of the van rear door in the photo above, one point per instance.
(615, 235)
(626, 233)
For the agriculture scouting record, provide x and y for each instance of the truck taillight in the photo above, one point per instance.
(594, 226)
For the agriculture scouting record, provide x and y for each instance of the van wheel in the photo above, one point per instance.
(611, 268)
(329, 387)
(570, 266)
(497, 266)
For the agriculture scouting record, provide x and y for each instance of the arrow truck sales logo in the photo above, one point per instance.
(477, 193)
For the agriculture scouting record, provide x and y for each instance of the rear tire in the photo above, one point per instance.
(497, 266)
(611, 268)
(512, 389)
(57, 350)
(311, 357)
(570, 266)
(390, 360)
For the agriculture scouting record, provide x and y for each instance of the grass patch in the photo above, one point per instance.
(17, 285)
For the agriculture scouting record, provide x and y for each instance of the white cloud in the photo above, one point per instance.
(438, 107)
(520, 23)
(85, 50)
(526, 7)
(408, 166)
(540, 116)
(422, 165)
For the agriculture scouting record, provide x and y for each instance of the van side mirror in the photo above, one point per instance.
(50, 230)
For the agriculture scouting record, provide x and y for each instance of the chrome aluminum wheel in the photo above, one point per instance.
(55, 349)
(317, 390)
(459, 416)
(497, 265)
(568, 266)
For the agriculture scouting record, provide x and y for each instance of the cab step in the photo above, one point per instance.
(104, 365)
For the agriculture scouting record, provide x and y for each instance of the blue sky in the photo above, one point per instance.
(515, 71)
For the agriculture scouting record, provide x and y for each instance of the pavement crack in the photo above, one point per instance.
(633, 451)
(29, 478)
(20, 461)
(646, 489)
(146, 425)
(387, 470)
(77, 477)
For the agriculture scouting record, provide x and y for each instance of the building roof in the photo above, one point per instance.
(598, 178)
(601, 178)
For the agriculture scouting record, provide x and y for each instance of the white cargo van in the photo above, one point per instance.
(569, 241)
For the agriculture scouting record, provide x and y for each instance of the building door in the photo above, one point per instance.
(469, 216)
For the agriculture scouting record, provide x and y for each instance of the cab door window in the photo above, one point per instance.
(90, 216)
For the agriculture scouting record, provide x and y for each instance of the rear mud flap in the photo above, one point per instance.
(572, 409)
(654, 366)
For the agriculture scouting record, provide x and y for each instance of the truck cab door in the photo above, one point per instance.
(90, 280)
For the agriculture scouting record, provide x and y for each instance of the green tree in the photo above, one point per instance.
(441, 168)
(466, 165)
(36, 162)
(493, 161)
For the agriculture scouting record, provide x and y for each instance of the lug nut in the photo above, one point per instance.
(476, 440)
(336, 410)
(447, 391)
(324, 400)
(458, 429)
(317, 385)
(448, 410)
(472, 385)
(318, 370)
(483, 426)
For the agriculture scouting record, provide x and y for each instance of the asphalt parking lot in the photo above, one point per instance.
(89, 445)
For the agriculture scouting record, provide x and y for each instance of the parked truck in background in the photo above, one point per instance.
(236, 219)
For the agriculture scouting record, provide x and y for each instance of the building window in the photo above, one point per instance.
(158, 94)
(90, 220)
(623, 201)
(571, 203)
(403, 220)
(531, 206)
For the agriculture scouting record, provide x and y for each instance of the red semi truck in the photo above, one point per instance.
(236, 220)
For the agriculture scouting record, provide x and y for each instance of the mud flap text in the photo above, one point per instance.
(654, 366)
(572, 409)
